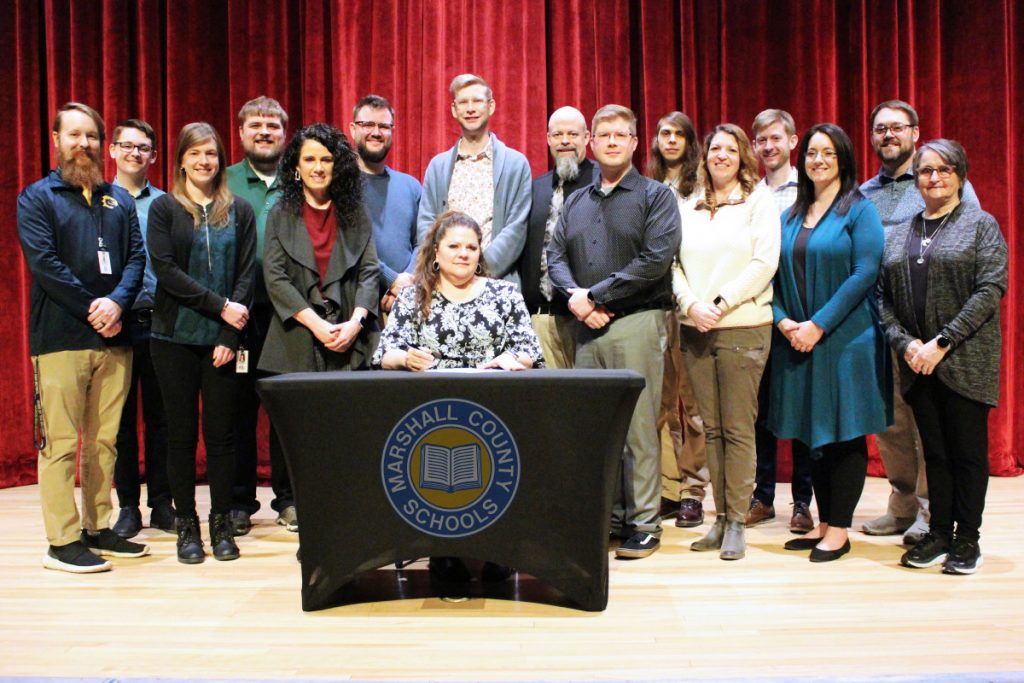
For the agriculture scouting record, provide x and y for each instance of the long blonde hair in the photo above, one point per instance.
(425, 277)
(193, 134)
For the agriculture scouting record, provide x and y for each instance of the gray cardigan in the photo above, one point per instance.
(512, 182)
(293, 284)
(967, 276)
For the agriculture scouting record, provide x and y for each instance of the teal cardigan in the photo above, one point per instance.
(842, 389)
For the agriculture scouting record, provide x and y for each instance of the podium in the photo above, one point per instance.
(518, 468)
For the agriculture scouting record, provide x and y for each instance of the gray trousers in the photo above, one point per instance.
(636, 342)
(903, 457)
(725, 367)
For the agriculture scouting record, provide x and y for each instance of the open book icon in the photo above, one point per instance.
(450, 469)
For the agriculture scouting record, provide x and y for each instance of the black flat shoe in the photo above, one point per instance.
(492, 572)
(449, 569)
(802, 543)
(818, 555)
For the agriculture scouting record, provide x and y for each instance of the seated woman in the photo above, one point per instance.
(943, 274)
(455, 316)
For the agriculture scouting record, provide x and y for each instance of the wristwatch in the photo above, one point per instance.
(943, 341)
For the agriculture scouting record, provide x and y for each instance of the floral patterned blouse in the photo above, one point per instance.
(466, 334)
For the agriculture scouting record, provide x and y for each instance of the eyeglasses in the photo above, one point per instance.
(613, 136)
(896, 128)
(370, 125)
(943, 171)
(129, 147)
(826, 154)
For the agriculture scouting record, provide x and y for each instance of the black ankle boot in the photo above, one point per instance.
(190, 543)
(222, 538)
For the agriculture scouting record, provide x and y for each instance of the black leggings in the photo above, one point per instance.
(185, 372)
(954, 434)
(838, 475)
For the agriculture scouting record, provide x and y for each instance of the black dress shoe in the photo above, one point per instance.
(449, 569)
(162, 517)
(493, 572)
(241, 522)
(129, 522)
(691, 513)
(819, 555)
(802, 543)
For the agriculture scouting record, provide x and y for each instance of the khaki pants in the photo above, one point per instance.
(726, 366)
(636, 342)
(903, 457)
(82, 393)
(684, 471)
(557, 339)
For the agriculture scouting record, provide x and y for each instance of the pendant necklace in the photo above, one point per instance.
(926, 242)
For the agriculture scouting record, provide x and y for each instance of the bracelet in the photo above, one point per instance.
(225, 306)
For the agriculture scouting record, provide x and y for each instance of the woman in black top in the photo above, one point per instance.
(202, 242)
(943, 275)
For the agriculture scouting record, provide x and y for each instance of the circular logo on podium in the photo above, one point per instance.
(450, 468)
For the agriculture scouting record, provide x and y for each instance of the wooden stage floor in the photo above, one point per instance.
(676, 615)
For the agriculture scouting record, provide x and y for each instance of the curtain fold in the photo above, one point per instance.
(175, 61)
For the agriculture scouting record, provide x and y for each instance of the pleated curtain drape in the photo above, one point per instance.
(175, 61)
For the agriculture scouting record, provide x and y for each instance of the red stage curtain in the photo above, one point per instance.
(172, 62)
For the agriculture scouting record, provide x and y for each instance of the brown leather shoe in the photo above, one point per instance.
(668, 508)
(801, 522)
(691, 513)
(759, 513)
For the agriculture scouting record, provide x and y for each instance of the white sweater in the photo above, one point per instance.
(733, 255)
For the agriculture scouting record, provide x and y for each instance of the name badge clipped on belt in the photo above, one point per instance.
(242, 361)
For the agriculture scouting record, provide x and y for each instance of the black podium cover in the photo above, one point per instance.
(514, 467)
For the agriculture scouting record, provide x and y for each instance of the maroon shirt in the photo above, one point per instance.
(323, 231)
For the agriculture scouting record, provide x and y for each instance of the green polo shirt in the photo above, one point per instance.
(244, 182)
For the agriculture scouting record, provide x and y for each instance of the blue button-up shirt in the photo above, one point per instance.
(142, 203)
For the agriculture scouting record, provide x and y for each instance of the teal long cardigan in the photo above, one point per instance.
(842, 389)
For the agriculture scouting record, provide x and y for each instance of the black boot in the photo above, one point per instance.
(190, 543)
(222, 538)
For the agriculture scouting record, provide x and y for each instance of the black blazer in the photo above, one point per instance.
(293, 284)
(529, 262)
(169, 240)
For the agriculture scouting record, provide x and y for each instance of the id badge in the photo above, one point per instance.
(242, 361)
(104, 256)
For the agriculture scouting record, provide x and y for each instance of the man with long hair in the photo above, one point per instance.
(81, 240)
(673, 161)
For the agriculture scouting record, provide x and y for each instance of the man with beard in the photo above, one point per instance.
(611, 254)
(134, 152)
(482, 177)
(392, 198)
(261, 128)
(774, 136)
(894, 130)
(673, 161)
(568, 138)
(82, 244)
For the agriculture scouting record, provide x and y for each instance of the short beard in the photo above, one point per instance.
(264, 158)
(901, 157)
(78, 171)
(567, 168)
(372, 157)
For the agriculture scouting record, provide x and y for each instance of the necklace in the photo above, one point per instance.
(926, 242)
